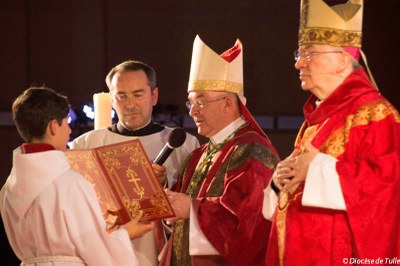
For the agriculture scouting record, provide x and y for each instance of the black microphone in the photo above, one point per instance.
(176, 138)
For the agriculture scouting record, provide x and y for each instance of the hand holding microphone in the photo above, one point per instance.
(176, 138)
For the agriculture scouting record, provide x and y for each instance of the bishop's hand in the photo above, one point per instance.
(180, 203)
(284, 172)
(299, 165)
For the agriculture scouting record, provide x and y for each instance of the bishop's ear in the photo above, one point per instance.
(344, 61)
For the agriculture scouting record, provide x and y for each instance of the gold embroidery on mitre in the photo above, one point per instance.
(334, 37)
(325, 27)
(303, 14)
(215, 85)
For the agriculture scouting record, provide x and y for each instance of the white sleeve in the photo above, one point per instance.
(322, 187)
(198, 242)
(269, 203)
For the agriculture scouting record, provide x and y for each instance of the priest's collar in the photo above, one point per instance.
(149, 129)
(226, 131)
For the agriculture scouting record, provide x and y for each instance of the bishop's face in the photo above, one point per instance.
(318, 67)
(206, 111)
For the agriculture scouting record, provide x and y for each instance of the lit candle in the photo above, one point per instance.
(102, 110)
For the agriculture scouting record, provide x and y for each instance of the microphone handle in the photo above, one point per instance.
(163, 155)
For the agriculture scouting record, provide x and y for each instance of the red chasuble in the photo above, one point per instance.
(229, 200)
(361, 129)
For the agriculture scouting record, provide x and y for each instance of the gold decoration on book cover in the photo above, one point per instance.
(124, 181)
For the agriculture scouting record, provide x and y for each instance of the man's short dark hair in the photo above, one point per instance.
(129, 66)
(35, 108)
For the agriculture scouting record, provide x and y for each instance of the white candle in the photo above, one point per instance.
(102, 110)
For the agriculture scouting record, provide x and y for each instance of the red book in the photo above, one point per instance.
(124, 181)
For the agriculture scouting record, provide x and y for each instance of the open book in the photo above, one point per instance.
(124, 181)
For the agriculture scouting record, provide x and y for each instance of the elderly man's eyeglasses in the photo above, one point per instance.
(308, 54)
(201, 104)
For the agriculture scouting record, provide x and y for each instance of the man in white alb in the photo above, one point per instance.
(133, 90)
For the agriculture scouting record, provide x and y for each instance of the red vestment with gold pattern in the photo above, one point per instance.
(361, 129)
(228, 201)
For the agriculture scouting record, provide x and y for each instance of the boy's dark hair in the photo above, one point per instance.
(35, 108)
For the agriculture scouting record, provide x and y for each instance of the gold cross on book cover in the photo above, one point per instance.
(124, 181)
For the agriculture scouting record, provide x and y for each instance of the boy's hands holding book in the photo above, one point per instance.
(138, 228)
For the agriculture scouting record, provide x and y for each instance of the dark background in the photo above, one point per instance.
(71, 45)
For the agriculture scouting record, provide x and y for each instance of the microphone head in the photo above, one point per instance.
(177, 137)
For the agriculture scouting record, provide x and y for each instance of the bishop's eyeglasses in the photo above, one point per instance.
(308, 54)
(202, 103)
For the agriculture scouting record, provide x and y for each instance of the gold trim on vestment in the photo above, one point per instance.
(216, 187)
(180, 251)
(285, 198)
(335, 147)
(239, 156)
(365, 114)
